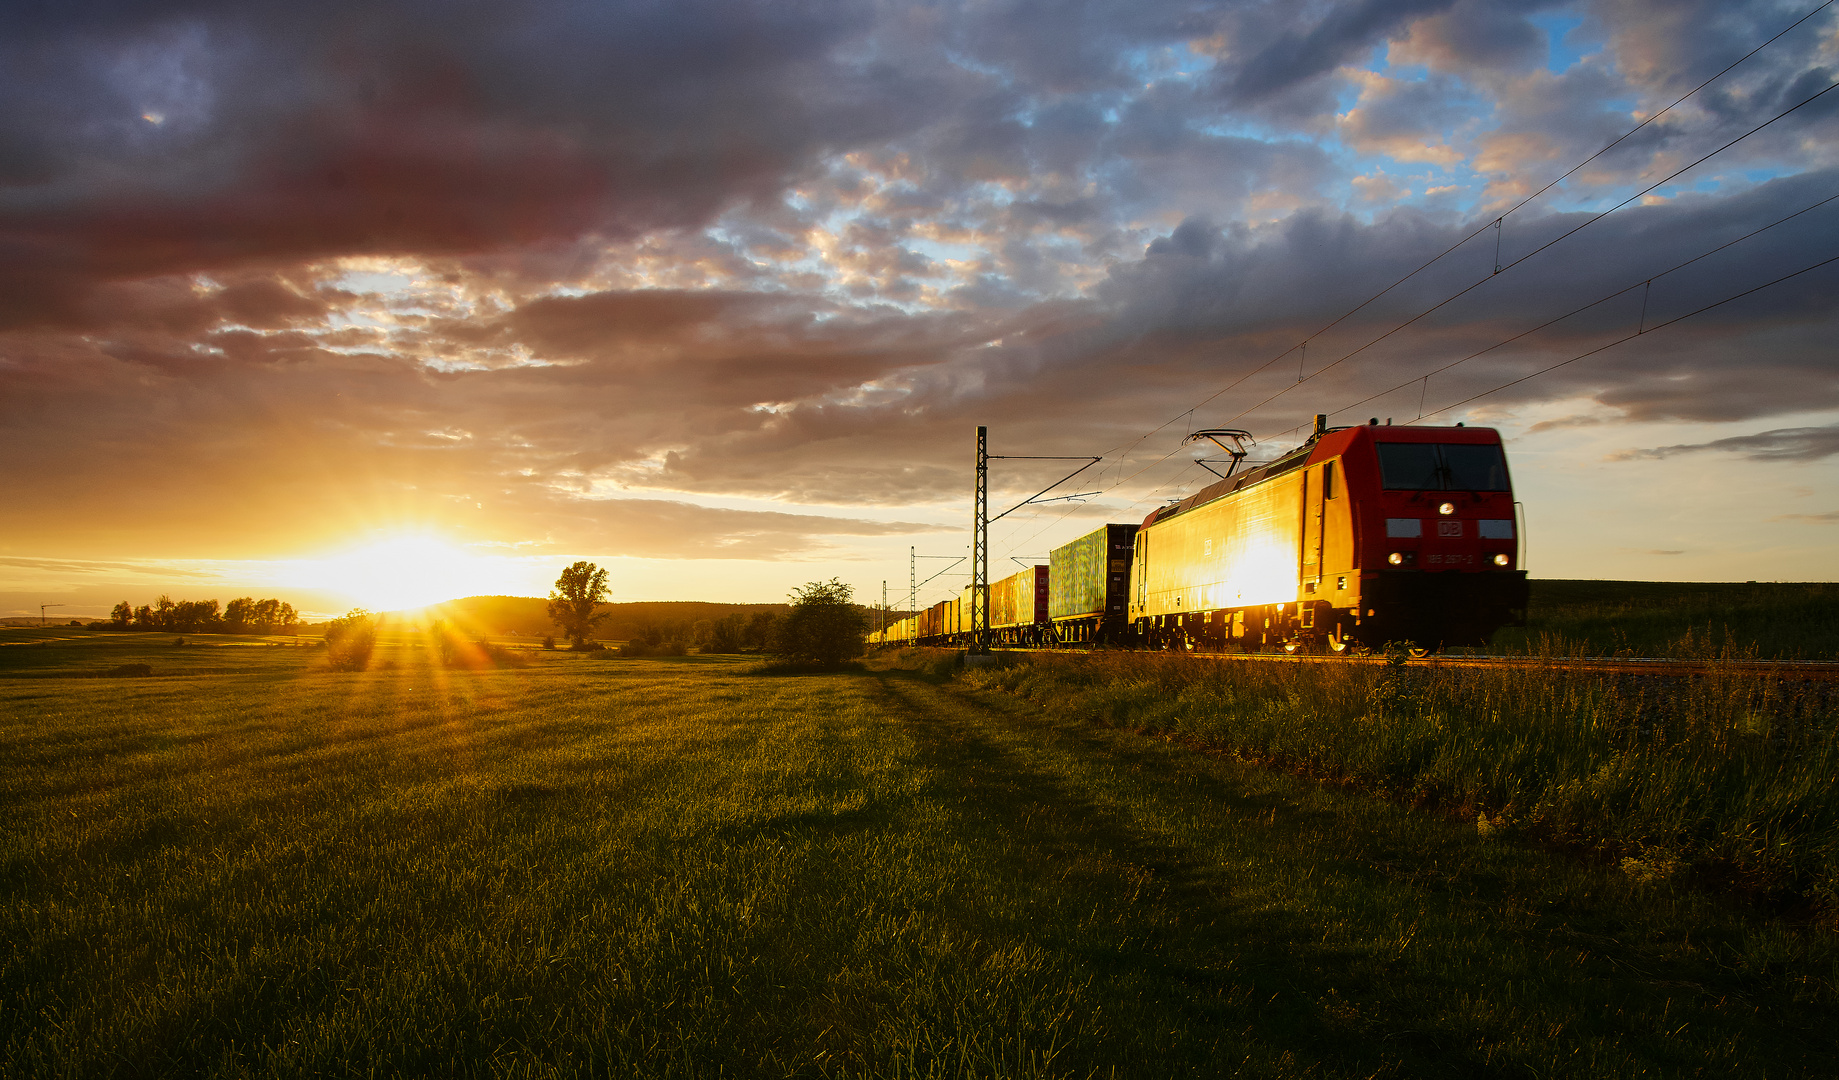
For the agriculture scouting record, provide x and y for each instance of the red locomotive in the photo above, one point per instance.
(1360, 536)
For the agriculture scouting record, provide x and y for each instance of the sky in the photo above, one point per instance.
(387, 302)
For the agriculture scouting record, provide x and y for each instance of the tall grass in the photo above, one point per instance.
(1767, 620)
(1725, 778)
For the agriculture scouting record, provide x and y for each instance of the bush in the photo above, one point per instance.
(824, 627)
(350, 639)
(549, 642)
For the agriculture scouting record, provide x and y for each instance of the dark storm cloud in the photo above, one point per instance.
(1296, 54)
(1473, 36)
(192, 138)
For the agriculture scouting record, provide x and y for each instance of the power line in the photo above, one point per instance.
(1647, 281)
(1548, 244)
(1492, 224)
(1639, 333)
(1579, 310)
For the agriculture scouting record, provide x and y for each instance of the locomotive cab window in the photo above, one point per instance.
(1442, 467)
(1328, 480)
(1474, 467)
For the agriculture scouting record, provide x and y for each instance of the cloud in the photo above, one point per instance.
(1405, 120)
(577, 273)
(1564, 422)
(73, 566)
(1829, 516)
(1781, 444)
(1295, 54)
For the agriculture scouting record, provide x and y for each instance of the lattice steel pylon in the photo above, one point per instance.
(980, 549)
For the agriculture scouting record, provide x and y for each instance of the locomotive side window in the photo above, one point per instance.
(1328, 480)
(1442, 467)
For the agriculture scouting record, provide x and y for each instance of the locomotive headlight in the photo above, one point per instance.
(1502, 560)
(1396, 559)
(1447, 509)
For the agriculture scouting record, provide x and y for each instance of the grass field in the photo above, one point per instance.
(245, 865)
(1765, 620)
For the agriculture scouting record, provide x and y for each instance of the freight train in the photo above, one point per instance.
(1358, 537)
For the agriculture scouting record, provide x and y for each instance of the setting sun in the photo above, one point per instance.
(407, 572)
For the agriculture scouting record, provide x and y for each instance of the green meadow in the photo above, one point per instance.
(245, 864)
(1762, 620)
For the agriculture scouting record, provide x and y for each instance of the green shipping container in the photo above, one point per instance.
(1091, 575)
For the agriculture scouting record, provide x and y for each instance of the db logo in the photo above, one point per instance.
(1449, 528)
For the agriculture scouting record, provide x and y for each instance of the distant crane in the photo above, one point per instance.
(41, 612)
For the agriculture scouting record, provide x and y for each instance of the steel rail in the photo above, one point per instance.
(1605, 665)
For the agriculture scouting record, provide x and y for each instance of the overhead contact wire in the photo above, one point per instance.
(1579, 310)
(1499, 218)
(1631, 337)
(1543, 247)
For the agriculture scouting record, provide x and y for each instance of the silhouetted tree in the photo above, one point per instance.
(573, 602)
(824, 626)
(239, 614)
(121, 615)
(271, 615)
(721, 635)
(760, 630)
(191, 616)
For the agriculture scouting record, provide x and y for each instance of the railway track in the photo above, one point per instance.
(1824, 670)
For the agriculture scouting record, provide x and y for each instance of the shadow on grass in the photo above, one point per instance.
(1360, 936)
(1180, 935)
(795, 667)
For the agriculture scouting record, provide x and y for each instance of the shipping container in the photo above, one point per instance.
(1020, 599)
(1089, 585)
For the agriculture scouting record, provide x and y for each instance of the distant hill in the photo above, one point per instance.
(528, 616)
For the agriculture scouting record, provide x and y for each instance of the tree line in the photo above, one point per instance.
(244, 615)
(823, 626)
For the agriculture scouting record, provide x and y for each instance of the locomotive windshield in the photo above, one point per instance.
(1442, 467)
